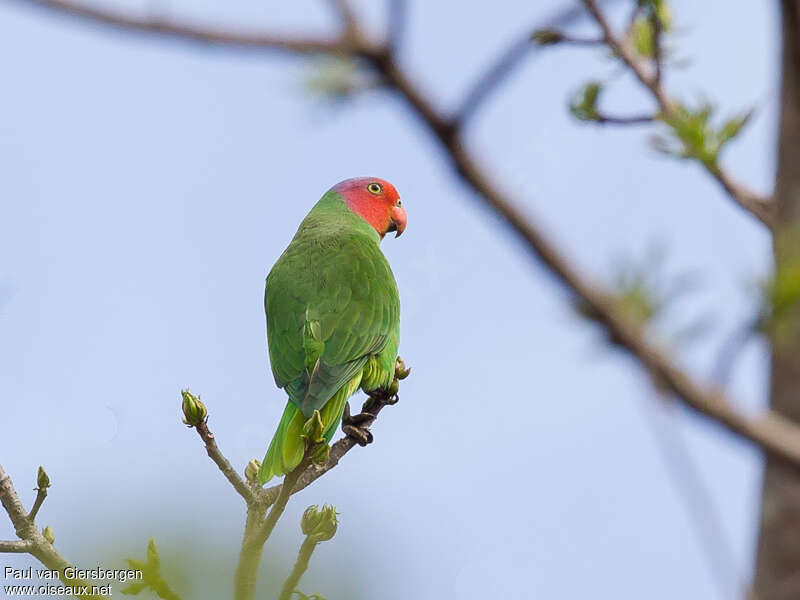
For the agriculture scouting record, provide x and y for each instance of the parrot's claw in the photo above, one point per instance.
(353, 425)
(359, 419)
(361, 435)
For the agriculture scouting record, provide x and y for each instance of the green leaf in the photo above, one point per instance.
(338, 78)
(733, 126)
(695, 137)
(584, 103)
(151, 575)
(134, 588)
(642, 37)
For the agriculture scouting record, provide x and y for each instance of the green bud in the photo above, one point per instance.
(320, 454)
(400, 371)
(584, 103)
(153, 559)
(313, 428)
(48, 534)
(42, 480)
(194, 411)
(319, 523)
(251, 470)
(547, 37)
(393, 388)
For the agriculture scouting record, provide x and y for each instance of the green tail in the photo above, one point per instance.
(287, 447)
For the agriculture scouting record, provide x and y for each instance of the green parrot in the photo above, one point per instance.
(333, 312)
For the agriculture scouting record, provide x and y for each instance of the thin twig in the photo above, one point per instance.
(300, 567)
(345, 12)
(604, 119)
(731, 347)
(167, 29)
(285, 492)
(692, 490)
(41, 494)
(244, 490)
(32, 538)
(759, 206)
(509, 59)
(657, 26)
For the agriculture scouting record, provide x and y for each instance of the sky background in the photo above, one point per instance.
(146, 189)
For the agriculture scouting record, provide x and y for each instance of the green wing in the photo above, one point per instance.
(332, 309)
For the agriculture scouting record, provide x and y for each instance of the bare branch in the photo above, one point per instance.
(691, 488)
(759, 206)
(15, 546)
(193, 33)
(239, 484)
(35, 543)
(604, 119)
(510, 59)
(658, 27)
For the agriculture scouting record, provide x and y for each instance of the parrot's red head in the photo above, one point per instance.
(376, 201)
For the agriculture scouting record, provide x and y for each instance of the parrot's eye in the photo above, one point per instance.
(375, 188)
(399, 203)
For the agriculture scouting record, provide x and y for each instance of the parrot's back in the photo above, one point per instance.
(333, 313)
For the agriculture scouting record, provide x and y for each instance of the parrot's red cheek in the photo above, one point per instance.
(399, 219)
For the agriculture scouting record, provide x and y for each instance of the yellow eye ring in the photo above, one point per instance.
(375, 188)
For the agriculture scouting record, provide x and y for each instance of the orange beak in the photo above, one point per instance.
(397, 220)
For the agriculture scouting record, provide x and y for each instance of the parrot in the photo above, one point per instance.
(333, 313)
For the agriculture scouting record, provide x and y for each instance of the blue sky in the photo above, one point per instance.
(147, 189)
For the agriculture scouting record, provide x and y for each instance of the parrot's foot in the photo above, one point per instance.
(355, 426)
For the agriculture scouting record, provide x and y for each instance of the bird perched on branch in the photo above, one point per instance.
(333, 314)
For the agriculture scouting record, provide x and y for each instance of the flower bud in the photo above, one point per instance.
(319, 524)
(194, 411)
(313, 428)
(251, 470)
(42, 480)
(320, 454)
(400, 371)
(48, 534)
(393, 388)
(546, 37)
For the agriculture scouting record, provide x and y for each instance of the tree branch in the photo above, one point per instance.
(257, 531)
(759, 206)
(512, 57)
(300, 567)
(373, 406)
(604, 119)
(776, 435)
(31, 539)
(43, 482)
(345, 12)
(233, 39)
(15, 546)
(241, 487)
